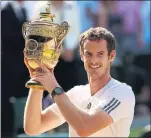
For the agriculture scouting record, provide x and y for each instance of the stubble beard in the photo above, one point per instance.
(97, 75)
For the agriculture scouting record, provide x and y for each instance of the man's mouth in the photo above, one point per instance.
(94, 66)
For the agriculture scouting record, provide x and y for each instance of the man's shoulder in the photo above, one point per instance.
(122, 90)
(120, 85)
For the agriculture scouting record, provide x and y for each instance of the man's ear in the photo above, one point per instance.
(112, 55)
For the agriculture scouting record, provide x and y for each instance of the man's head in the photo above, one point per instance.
(97, 50)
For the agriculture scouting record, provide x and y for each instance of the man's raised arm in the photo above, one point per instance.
(37, 121)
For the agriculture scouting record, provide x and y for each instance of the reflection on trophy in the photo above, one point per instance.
(43, 42)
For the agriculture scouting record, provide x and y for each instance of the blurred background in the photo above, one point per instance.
(129, 21)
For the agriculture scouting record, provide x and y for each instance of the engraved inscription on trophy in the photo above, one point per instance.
(33, 50)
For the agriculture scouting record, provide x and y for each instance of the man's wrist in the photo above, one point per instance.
(52, 88)
(57, 91)
(36, 90)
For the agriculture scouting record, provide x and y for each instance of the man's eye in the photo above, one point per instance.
(100, 54)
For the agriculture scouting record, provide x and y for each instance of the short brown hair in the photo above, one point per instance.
(98, 33)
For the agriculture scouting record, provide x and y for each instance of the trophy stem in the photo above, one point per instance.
(34, 84)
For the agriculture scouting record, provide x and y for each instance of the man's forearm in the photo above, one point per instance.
(32, 114)
(73, 115)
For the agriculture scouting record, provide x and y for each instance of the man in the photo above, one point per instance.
(102, 108)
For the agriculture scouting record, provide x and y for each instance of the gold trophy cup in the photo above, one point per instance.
(43, 42)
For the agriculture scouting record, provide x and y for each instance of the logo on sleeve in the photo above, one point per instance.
(113, 104)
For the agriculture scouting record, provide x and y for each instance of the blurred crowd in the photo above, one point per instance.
(129, 21)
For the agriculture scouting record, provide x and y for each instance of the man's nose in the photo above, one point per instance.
(94, 60)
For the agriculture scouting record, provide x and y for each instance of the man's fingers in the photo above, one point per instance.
(36, 74)
(51, 70)
(42, 66)
(39, 79)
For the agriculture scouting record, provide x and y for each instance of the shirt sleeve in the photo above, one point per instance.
(120, 104)
(54, 108)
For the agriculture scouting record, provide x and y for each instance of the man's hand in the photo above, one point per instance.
(46, 78)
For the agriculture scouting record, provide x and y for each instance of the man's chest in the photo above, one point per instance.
(89, 105)
(93, 102)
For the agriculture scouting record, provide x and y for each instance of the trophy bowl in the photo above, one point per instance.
(43, 42)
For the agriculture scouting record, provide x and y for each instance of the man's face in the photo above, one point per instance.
(96, 59)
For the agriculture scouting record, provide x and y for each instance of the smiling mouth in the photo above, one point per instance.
(95, 67)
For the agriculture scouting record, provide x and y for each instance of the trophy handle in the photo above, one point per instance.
(64, 29)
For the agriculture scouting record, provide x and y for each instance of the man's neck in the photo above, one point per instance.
(96, 85)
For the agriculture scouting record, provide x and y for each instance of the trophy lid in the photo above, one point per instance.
(47, 15)
(46, 27)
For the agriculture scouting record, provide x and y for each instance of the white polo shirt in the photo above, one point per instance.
(116, 98)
